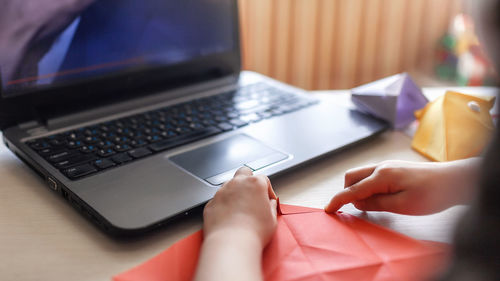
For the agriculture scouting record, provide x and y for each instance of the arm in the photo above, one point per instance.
(408, 187)
(238, 223)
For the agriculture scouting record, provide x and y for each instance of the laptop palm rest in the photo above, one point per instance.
(217, 162)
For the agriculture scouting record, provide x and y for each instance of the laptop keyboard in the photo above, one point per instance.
(88, 150)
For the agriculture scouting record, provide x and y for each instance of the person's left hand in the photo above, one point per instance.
(408, 188)
(246, 203)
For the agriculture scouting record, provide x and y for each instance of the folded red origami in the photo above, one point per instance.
(312, 245)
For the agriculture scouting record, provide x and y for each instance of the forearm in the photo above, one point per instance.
(230, 255)
(460, 178)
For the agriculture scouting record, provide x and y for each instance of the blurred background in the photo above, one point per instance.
(340, 44)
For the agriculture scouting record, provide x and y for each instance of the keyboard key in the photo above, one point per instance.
(50, 150)
(232, 115)
(138, 143)
(265, 115)
(276, 112)
(168, 134)
(196, 126)
(247, 105)
(182, 130)
(139, 152)
(103, 163)
(121, 140)
(170, 143)
(154, 138)
(105, 152)
(238, 122)
(58, 142)
(75, 136)
(108, 135)
(75, 144)
(39, 145)
(75, 160)
(80, 171)
(60, 156)
(209, 122)
(121, 158)
(88, 148)
(122, 147)
(225, 126)
(91, 132)
(105, 144)
(251, 118)
(220, 118)
(255, 110)
(91, 140)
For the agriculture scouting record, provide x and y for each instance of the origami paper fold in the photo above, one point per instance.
(312, 245)
(393, 99)
(454, 126)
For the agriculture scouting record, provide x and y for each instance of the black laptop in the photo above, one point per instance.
(137, 111)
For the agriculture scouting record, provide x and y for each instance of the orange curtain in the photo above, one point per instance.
(333, 44)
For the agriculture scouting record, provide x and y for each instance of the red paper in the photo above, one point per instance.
(312, 245)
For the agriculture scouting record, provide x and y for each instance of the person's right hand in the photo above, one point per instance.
(408, 187)
(237, 224)
(246, 203)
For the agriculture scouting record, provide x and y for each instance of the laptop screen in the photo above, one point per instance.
(46, 43)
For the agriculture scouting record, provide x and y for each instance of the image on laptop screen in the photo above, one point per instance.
(50, 42)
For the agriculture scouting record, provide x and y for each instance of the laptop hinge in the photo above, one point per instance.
(28, 125)
(32, 128)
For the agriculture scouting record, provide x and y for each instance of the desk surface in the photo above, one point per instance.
(43, 238)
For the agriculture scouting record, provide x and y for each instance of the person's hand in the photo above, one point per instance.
(238, 223)
(408, 187)
(247, 203)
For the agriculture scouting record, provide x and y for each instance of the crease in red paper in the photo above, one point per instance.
(311, 244)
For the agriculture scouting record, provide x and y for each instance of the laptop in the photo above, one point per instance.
(136, 112)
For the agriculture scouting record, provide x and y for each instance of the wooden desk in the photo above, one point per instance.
(43, 238)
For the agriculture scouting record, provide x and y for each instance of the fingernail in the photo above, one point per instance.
(329, 209)
(275, 196)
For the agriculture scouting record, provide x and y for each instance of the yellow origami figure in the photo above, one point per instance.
(455, 126)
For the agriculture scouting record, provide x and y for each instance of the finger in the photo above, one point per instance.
(209, 203)
(243, 171)
(359, 191)
(355, 175)
(382, 202)
(207, 207)
(274, 208)
(270, 190)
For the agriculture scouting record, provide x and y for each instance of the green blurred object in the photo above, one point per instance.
(449, 42)
(459, 58)
(462, 80)
(446, 72)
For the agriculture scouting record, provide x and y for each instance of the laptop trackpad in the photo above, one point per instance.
(216, 163)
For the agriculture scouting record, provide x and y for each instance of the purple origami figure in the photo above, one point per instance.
(393, 99)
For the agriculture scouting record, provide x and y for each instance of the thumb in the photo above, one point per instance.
(245, 171)
(270, 189)
(274, 207)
